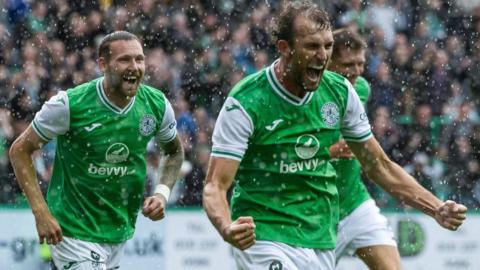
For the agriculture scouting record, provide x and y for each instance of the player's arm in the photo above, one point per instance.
(21, 159)
(154, 206)
(51, 121)
(230, 141)
(393, 179)
(220, 175)
(171, 162)
(172, 159)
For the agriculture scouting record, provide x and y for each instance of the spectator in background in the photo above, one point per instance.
(386, 131)
(439, 81)
(380, 14)
(8, 187)
(456, 97)
(401, 62)
(434, 15)
(420, 38)
(460, 127)
(457, 61)
(185, 125)
(193, 182)
(63, 37)
(384, 92)
(418, 136)
(355, 15)
(473, 70)
(419, 169)
(463, 172)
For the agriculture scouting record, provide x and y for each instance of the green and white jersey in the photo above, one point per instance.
(98, 176)
(285, 180)
(351, 190)
(362, 87)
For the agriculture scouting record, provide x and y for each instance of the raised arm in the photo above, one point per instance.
(220, 175)
(393, 179)
(21, 158)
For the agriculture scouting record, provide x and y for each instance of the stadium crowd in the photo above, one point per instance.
(422, 61)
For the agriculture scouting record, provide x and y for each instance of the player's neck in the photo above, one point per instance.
(286, 81)
(114, 96)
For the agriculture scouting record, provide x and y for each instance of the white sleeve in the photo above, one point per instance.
(232, 131)
(168, 128)
(53, 119)
(355, 125)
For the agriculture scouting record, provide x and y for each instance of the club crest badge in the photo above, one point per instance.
(147, 125)
(275, 265)
(330, 114)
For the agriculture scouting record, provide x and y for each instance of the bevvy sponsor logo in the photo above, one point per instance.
(116, 153)
(306, 148)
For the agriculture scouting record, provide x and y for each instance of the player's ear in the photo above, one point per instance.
(102, 64)
(284, 48)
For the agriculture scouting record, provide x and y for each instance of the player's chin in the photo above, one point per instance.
(312, 84)
(130, 90)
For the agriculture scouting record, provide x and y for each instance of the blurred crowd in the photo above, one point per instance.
(422, 60)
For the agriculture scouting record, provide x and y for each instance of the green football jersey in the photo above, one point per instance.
(285, 181)
(362, 87)
(351, 190)
(98, 177)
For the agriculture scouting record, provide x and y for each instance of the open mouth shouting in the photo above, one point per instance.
(131, 79)
(314, 72)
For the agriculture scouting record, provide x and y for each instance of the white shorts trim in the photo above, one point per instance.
(266, 255)
(82, 255)
(364, 227)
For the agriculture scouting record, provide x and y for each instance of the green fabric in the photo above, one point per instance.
(285, 180)
(98, 178)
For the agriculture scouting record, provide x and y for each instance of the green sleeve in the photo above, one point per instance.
(363, 89)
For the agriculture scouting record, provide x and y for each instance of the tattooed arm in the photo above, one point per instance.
(154, 206)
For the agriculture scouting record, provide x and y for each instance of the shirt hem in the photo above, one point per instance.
(97, 240)
(322, 245)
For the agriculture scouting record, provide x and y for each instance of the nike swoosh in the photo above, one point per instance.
(274, 124)
(92, 127)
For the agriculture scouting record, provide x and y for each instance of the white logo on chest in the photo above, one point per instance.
(307, 146)
(117, 152)
(92, 127)
(274, 124)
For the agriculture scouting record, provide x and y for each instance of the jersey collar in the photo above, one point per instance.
(114, 108)
(281, 91)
